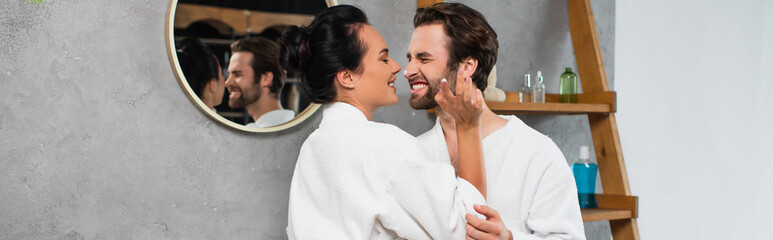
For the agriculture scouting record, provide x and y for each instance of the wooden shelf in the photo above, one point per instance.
(586, 103)
(612, 207)
(209, 40)
(546, 108)
(598, 214)
(229, 21)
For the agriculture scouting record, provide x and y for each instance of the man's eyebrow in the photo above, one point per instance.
(419, 55)
(423, 55)
(235, 71)
(385, 50)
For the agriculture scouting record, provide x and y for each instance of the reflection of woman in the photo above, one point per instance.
(202, 70)
(358, 179)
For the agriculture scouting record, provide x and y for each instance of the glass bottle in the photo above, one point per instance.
(524, 95)
(568, 87)
(538, 90)
(585, 177)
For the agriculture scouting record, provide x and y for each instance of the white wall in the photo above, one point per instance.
(695, 97)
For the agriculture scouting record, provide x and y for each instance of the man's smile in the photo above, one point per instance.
(418, 86)
(234, 92)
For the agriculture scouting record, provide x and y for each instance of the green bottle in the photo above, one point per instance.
(568, 87)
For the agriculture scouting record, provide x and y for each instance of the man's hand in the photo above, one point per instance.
(491, 228)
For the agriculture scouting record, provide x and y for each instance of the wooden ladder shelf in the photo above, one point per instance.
(603, 126)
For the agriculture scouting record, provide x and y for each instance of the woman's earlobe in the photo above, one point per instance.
(345, 79)
(210, 86)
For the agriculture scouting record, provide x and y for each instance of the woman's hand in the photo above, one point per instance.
(466, 107)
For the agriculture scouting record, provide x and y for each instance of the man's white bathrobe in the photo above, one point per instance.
(357, 179)
(529, 182)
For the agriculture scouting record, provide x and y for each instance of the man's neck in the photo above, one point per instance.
(489, 122)
(265, 103)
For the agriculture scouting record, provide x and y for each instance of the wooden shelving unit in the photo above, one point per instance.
(603, 126)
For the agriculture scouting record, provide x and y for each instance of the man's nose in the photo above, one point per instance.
(411, 70)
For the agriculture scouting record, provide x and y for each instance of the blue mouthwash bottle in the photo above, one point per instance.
(585, 177)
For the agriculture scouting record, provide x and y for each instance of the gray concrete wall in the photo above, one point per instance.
(97, 141)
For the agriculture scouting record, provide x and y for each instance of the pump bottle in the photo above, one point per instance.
(539, 89)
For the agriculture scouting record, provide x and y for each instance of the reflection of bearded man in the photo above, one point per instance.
(255, 81)
(427, 101)
(243, 100)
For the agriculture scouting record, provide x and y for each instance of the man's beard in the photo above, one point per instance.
(241, 102)
(427, 101)
(433, 88)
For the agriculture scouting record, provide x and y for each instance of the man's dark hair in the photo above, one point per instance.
(469, 35)
(265, 58)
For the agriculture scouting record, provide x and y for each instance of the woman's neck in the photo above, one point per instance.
(366, 110)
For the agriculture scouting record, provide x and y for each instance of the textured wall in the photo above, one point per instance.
(97, 141)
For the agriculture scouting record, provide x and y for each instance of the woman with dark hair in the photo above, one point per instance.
(358, 179)
(202, 71)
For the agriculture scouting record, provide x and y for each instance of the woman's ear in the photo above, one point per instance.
(211, 86)
(468, 66)
(345, 79)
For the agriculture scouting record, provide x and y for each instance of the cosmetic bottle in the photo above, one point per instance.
(585, 177)
(568, 86)
(524, 95)
(538, 90)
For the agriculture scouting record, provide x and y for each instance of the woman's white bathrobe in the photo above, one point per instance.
(357, 179)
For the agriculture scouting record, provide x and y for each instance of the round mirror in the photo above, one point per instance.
(225, 57)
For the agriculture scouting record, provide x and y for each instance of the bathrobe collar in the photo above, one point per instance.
(340, 111)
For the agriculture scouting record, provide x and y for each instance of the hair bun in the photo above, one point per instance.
(294, 49)
(191, 46)
(186, 61)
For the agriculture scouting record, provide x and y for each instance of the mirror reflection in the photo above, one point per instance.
(228, 54)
